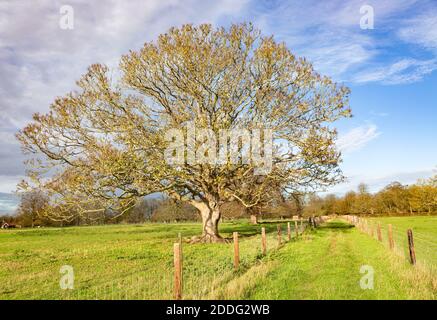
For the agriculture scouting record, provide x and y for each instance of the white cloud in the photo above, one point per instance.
(400, 72)
(376, 183)
(379, 114)
(357, 138)
(8, 203)
(39, 60)
(8, 183)
(421, 30)
(340, 54)
(328, 33)
(8, 138)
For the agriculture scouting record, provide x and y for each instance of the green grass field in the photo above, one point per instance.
(136, 262)
(118, 262)
(424, 234)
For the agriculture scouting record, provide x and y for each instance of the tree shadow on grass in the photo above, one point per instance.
(337, 226)
(246, 229)
(249, 230)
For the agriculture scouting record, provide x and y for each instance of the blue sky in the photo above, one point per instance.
(391, 69)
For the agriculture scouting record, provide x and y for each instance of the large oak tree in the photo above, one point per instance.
(105, 145)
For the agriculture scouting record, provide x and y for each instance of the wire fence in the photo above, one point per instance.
(425, 245)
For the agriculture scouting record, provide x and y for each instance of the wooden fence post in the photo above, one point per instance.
(181, 255)
(390, 237)
(236, 251)
(411, 247)
(288, 231)
(177, 271)
(378, 230)
(263, 241)
(296, 230)
(279, 235)
(301, 225)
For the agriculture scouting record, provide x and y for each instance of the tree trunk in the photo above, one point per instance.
(210, 213)
(253, 219)
(254, 214)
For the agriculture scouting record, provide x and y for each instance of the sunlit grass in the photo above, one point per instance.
(328, 267)
(122, 261)
(136, 262)
(424, 235)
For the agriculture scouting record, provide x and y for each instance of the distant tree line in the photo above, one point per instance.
(32, 212)
(36, 210)
(394, 199)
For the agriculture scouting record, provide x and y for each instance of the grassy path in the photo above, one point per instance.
(327, 266)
